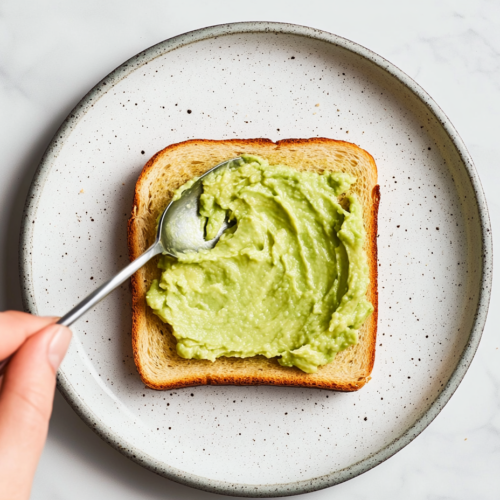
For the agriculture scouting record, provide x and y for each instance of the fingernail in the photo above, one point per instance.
(58, 345)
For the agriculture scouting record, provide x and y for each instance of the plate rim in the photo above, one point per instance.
(173, 473)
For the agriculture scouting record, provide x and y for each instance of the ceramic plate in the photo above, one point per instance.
(277, 81)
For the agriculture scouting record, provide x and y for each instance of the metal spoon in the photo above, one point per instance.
(179, 230)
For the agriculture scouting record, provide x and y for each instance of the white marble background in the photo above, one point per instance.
(53, 51)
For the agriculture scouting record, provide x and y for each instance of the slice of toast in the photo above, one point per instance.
(154, 346)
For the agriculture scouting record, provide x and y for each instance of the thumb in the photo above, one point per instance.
(26, 399)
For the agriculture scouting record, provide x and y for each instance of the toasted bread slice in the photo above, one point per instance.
(154, 346)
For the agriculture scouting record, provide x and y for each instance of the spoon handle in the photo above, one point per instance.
(97, 295)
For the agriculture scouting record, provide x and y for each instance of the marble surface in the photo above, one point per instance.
(52, 52)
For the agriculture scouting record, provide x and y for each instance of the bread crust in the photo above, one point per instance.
(247, 371)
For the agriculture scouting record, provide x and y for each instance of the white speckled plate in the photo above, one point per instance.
(277, 81)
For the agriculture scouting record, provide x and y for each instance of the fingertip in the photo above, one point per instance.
(20, 326)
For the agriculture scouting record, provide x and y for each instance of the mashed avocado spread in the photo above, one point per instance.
(288, 280)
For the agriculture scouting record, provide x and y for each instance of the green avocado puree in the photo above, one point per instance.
(288, 280)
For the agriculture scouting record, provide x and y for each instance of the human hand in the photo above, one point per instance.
(26, 395)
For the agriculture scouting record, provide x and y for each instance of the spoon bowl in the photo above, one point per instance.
(180, 228)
